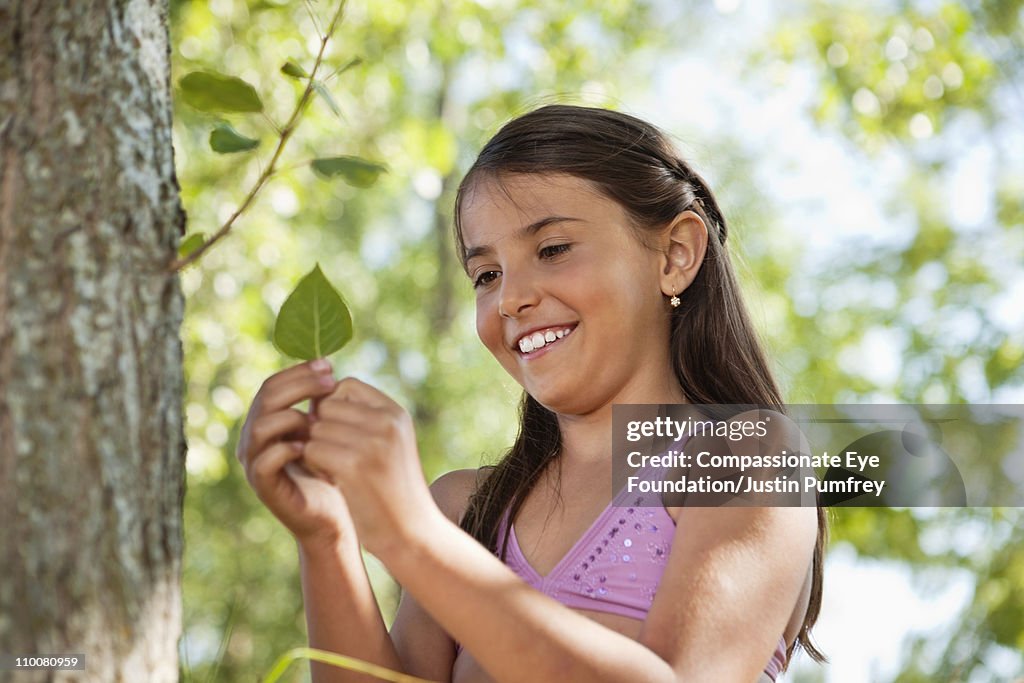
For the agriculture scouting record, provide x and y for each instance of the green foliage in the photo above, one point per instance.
(435, 80)
(190, 244)
(215, 92)
(911, 82)
(416, 336)
(314, 321)
(226, 140)
(294, 70)
(353, 170)
(326, 96)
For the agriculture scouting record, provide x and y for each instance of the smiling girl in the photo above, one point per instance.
(599, 262)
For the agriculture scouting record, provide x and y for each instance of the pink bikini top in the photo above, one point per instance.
(617, 563)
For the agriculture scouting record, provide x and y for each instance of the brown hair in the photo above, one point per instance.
(715, 352)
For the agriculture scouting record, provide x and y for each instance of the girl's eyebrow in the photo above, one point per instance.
(525, 231)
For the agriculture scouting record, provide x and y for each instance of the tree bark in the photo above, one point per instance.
(91, 440)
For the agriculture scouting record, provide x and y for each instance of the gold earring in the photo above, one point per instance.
(674, 301)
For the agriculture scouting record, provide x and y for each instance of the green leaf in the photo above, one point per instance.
(215, 92)
(190, 244)
(225, 140)
(353, 170)
(325, 94)
(294, 70)
(342, 69)
(313, 321)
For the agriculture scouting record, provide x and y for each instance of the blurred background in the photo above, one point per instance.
(868, 155)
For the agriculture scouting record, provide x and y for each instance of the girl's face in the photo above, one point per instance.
(567, 299)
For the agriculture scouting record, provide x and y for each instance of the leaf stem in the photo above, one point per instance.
(286, 133)
(316, 324)
(340, 661)
(312, 17)
(292, 167)
(273, 124)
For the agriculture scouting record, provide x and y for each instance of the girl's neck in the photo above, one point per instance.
(587, 439)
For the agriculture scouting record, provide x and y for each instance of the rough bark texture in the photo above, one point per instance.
(91, 441)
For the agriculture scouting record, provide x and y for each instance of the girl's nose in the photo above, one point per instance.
(517, 296)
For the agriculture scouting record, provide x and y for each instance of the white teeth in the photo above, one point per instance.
(537, 340)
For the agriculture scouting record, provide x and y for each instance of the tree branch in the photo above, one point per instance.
(286, 133)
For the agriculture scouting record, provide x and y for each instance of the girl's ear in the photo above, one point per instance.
(684, 242)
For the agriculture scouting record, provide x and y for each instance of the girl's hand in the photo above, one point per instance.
(365, 444)
(271, 447)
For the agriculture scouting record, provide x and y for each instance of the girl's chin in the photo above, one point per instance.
(562, 401)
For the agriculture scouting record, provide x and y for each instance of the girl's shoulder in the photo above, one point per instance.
(452, 490)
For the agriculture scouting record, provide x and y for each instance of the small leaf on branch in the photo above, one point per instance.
(190, 244)
(225, 140)
(353, 170)
(216, 92)
(294, 70)
(342, 69)
(325, 94)
(314, 320)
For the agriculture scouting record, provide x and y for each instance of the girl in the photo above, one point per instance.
(601, 275)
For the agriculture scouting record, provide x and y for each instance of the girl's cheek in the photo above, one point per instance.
(487, 324)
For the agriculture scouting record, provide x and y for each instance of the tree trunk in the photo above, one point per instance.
(91, 440)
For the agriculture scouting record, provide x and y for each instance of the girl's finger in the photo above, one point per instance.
(268, 463)
(302, 385)
(290, 423)
(317, 366)
(339, 433)
(298, 471)
(350, 411)
(334, 455)
(351, 389)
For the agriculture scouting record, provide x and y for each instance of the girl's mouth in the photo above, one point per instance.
(529, 344)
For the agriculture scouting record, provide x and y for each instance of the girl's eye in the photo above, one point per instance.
(554, 250)
(485, 278)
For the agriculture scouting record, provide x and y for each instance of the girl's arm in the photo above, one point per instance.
(334, 582)
(732, 579)
(342, 614)
(425, 648)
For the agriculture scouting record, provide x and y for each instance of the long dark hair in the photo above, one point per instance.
(716, 355)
